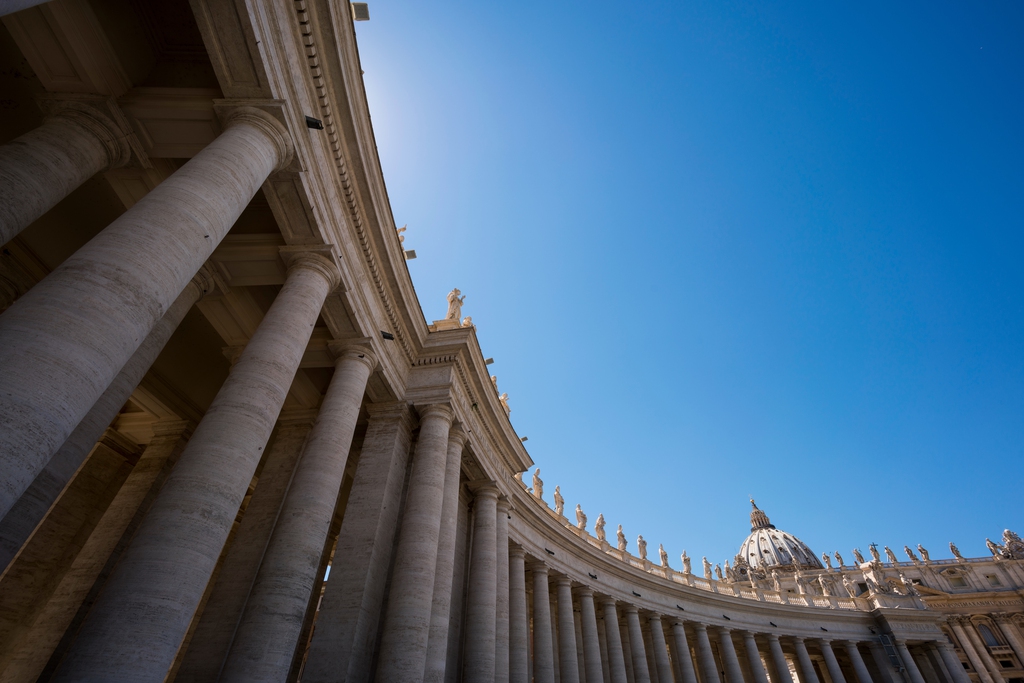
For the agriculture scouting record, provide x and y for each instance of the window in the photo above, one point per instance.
(993, 580)
(957, 582)
(1005, 663)
(987, 635)
(862, 587)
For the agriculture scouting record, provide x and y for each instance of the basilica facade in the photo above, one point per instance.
(233, 449)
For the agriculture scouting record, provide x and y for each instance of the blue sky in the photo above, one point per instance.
(721, 251)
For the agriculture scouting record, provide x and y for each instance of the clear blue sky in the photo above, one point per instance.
(720, 251)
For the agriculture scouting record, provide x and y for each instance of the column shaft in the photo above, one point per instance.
(350, 611)
(567, 660)
(983, 653)
(616, 659)
(1013, 636)
(779, 660)
(953, 664)
(518, 618)
(909, 663)
(803, 658)
(968, 647)
(638, 654)
(48, 163)
(268, 634)
(937, 664)
(859, 667)
(661, 662)
(834, 672)
(733, 672)
(543, 649)
(33, 504)
(437, 643)
(593, 672)
(481, 602)
(38, 643)
(208, 648)
(403, 649)
(66, 339)
(501, 609)
(882, 662)
(706, 659)
(757, 667)
(157, 586)
(686, 671)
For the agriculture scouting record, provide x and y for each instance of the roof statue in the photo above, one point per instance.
(686, 562)
(454, 304)
(641, 547)
(858, 557)
(663, 555)
(599, 528)
(1013, 546)
(956, 551)
(581, 518)
(707, 568)
(839, 559)
(910, 554)
(891, 555)
(767, 546)
(621, 538)
(538, 485)
(924, 553)
(827, 560)
(559, 502)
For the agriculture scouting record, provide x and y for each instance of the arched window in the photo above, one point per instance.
(987, 635)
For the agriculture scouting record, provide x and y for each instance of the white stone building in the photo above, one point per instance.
(216, 383)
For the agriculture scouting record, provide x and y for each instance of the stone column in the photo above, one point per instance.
(616, 660)
(41, 639)
(968, 647)
(568, 663)
(440, 611)
(938, 664)
(859, 667)
(982, 650)
(1012, 633)
(882, 662)
(518, 618)
(66, 339)
(155, 589)
(686, 671)
(757, 667)
(779, 660)
(33, 504)
(501, 628)
(953, 664)
(350, 610)
(661, 663)
(803, 658)
(403, 649)
(267, 636)
(211, 639)
(909, 663)
(481, 600)
(834, 672)
(543, 646)
(641, 674)
(705, 658)
(733, 673)
(593, 672)
(40, 168)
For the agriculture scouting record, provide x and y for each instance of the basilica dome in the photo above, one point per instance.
(769, 548)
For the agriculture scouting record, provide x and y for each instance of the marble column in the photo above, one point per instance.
(638, 655)
(661, 662)
(616, 659)
(705, 658)
(440, 610)
(652, 665)
(979, 647)
(481, 601)
(568, 663)
(834, 672)
(38, 642)
(938, 664)
(1012, 634)
(403, 649)
(211, 640)
(803, 658)
(883, 663)
(733, 673)
(686, 671)
(33, 504)
(268, 633)
(968, 647)
(593, 671)
(350, 611)
(952, 662)
(501, 609)
(754, 660)
(909, 663)
(779, 662)
(543, 645)
(66, 339)
(518, 618)
(137, 624)
(859, 667)
(80, 139)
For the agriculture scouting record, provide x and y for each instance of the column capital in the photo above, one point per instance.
(563, 580)
(585, 592)
(296, 419)
(204, 280)
(772, 637)
(319, 259)
(103, 119)
(457, 435)
(697, 626)
(515, 550)
(438, 410)
(537, 566)
(352, 350)
(484, 488)
(630, 608)
(261, 116)
(504, 504)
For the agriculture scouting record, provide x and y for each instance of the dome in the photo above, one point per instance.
(767, 547)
